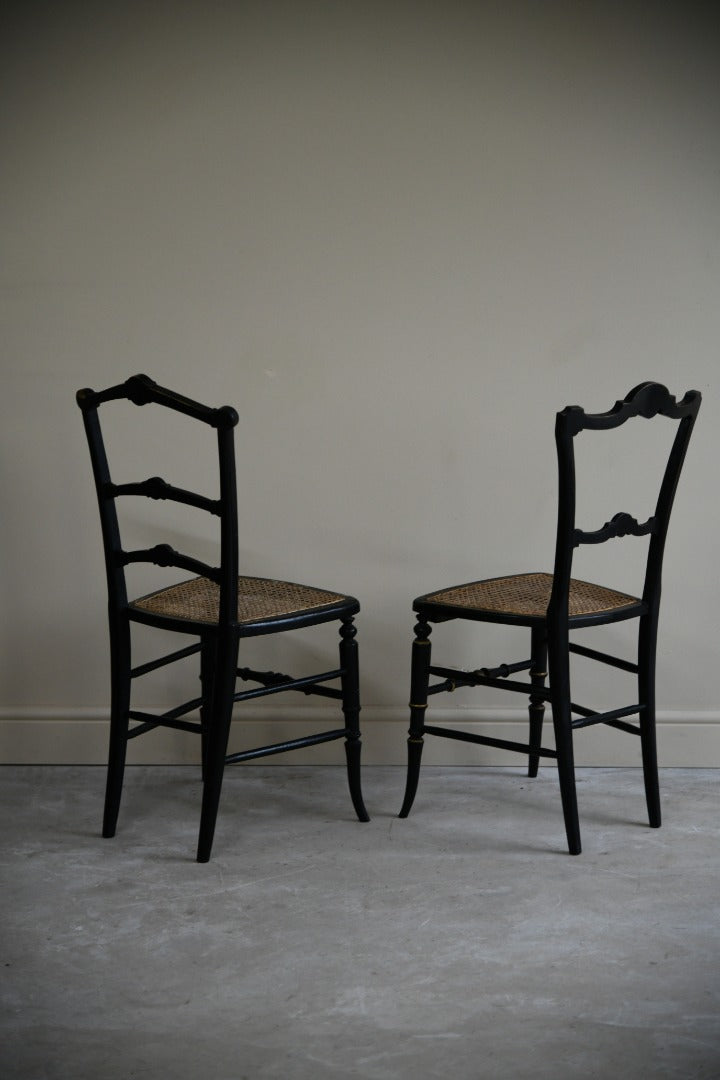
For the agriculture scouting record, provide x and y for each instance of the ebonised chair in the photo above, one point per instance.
(552, 605)
(217, 607)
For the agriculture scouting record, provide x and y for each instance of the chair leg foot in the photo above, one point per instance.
(120, 705)
(218, 731)
(352, 754)
(652, 797)
(351, 712)
(536, 726)
(415, 749)
(562, 724)
(208, 816)
(568, 797)
(113, 789)
(419, 680)
(648, 738)
(650, 772)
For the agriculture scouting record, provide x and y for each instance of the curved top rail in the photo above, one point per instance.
(646, 400)
(141, 390)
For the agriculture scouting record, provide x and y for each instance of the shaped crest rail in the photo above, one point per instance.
(142, 390)
(648, 399)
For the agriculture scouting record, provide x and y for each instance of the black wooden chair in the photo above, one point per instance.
(215, 606)
(554, 604)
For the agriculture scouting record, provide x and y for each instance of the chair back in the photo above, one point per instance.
(648, 400)
(141, 390)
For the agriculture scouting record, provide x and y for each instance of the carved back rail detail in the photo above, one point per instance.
(647, 400)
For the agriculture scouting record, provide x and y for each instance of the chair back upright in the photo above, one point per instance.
(141, 390)
(647, 400)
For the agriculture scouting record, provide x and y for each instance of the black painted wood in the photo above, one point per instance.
(550, 633)
(486, 740)
(604, 658)
(621, 524)
(536, 704)
(419, 682)
(217, 643)
(350, 683)
(157, 488)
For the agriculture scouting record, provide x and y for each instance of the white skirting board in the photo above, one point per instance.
(64, 736)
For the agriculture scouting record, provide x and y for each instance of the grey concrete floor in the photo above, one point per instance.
(462, 942)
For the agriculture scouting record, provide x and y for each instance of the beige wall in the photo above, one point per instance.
(398, 237)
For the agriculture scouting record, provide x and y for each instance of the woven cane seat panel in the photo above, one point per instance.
(198, 600)
(528, 595)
